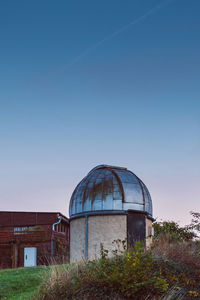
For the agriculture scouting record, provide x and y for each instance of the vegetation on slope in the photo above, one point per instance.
(170, 270)
(130, 274)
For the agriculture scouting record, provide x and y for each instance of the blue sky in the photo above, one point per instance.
(69, 101)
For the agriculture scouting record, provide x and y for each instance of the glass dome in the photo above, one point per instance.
(110, 188)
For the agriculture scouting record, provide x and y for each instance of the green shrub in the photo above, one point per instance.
(129, 273)
(195, 222)
(174, 231)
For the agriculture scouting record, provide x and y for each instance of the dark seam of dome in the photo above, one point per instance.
(119, 182)
(72, 199)
(117, 178)
(107, 184)
(86, 188)
(94, 192)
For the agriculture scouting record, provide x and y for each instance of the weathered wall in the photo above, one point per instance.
(5, 256)
(12, 255)
(105, 229)
(77, 239)
(12, 247)
(148, 232)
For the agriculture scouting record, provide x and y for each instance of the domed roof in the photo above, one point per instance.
(109, 188)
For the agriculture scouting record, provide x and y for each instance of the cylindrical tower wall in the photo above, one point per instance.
(105, 230)
(89, 232)
(77, 239)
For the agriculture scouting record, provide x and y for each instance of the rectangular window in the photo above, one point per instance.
(22, 230)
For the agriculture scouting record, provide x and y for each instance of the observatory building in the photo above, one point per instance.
(110, 203)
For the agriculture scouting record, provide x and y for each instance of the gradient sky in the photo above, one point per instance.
(77, 91)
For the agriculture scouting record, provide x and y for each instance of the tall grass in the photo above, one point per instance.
(58, 284)
(170, 271)
(186, 252)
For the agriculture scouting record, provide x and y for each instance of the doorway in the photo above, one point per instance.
(30, 257)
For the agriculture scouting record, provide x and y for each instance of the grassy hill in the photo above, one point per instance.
(21, 283)
(170, 272)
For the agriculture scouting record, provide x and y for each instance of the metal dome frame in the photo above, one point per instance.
(84, 184)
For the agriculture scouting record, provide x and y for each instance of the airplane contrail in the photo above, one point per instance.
(122, 29)
(107, 38)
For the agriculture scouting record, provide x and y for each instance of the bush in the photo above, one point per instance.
(173, 230)
(186, 252)
(195, 223)
(130, 273)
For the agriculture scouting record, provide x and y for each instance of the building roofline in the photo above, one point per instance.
(35, 212)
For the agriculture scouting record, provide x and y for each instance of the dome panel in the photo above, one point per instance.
(133, 193)
(126, 176)
(109, 188)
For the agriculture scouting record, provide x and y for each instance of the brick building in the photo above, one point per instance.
(32, 238)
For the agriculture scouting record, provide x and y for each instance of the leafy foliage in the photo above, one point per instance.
(129, 273)
(170, 270)
(195, 223)
(174, 231)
